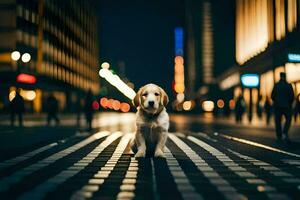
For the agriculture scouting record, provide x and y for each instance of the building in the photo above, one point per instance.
(60, 39)
(267, 43)
(199, 47)
(209, 47)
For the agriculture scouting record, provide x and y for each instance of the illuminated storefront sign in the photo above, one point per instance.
(179, 86)
(26, 78)
(250, 80)
(179, 41)
(294, 57)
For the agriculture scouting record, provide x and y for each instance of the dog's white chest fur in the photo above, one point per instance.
(152, 130)
(159, 121)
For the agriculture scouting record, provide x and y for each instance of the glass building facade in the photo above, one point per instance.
(61, 38)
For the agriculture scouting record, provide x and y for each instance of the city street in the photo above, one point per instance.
(205, 158)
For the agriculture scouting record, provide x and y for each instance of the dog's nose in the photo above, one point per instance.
(151, 103)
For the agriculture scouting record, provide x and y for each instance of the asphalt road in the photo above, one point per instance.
(205, 158)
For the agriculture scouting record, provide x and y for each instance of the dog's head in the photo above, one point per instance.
(151, 98)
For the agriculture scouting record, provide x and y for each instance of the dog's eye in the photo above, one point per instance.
(145, 94)
(156, 94)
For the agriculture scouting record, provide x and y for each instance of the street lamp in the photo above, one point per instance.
(26, 57)
(105, 65)
(15, 55)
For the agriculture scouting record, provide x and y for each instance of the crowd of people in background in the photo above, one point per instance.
(17, 108)
(282, 104)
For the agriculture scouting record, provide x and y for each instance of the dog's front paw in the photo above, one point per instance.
(159, 153)
(140, 154)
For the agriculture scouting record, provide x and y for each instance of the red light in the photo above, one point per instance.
(95, 105)
(125, 107)
(26, 78)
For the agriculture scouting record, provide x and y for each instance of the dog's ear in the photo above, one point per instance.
(136, 99)
(164, 97)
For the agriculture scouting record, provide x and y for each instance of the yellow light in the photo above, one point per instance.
(187, 105)
(12, 95)
(208, 106)
(28, 95)
(179, 88)
(105, 65)
(179, 78)
(179, 69)
(15, 55)
(220, 103)
(180, 97)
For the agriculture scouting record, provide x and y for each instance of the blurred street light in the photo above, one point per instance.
(15, 55)
(26, 57)
(105, 65)
(208, 106)
(115, 80)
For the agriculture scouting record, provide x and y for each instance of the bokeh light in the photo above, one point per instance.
(125, 107)
(220, 103)
(15, 55)
(26, 57)
(95, 105)
(105, 65)
(208, 106)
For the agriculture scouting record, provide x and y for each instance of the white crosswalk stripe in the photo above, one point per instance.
(95, 183)
(128, 184)
(275, 171)
(239, 170)
(8, 163)
(183, 184)
(14, 178)
(40, 191)
(221, 184)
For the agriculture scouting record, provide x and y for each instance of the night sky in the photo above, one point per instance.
(140, 34)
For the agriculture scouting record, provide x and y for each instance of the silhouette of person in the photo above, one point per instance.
(239, 108)
(88, 109)
(268, 109)
(78, 110)
(52, 109)
(297, 108)
(259, 107)
(17, 108)
(283, 97)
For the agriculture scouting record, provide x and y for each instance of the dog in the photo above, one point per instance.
(152, 121)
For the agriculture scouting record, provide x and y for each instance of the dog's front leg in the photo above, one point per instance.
(141, 145)
(159, 150)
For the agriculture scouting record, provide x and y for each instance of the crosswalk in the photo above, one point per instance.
(101, 167)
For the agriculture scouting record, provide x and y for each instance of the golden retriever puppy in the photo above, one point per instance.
(152, 121)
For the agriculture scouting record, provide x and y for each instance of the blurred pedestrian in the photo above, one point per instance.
(283, 97)
(268, 109)
(88, 109)
(78, 110)
(17, 107)
(239, 108)
(52, 109)
(297, 108)
(259, 108)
